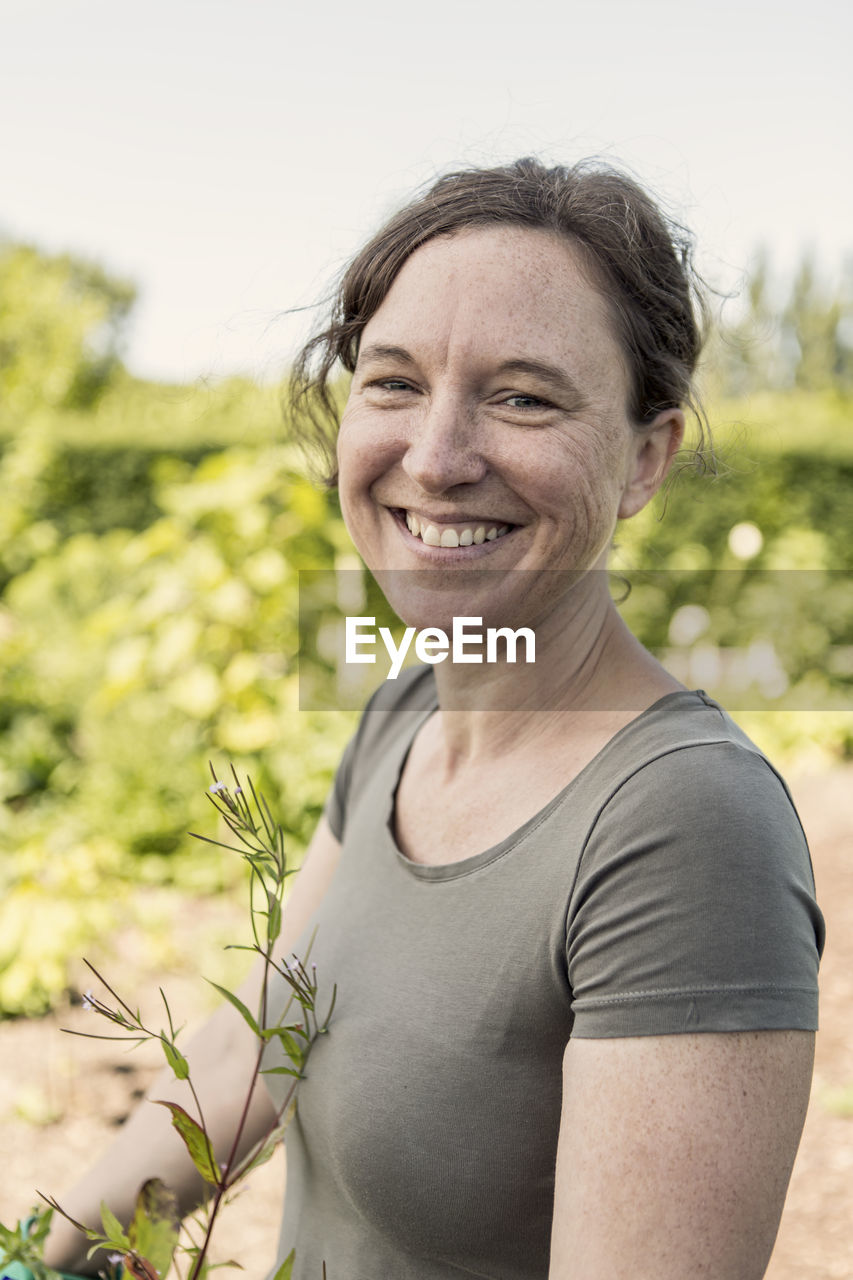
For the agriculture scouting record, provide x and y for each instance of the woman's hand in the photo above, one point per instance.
(675, 1154)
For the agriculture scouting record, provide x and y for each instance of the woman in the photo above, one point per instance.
(567, 904)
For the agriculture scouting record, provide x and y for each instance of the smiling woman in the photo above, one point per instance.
(567, 905)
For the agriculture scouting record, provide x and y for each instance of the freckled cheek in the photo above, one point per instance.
(365, 448)
(584, 494)
(354, 481)
(361, 467)
(361, 460)
(599, 517)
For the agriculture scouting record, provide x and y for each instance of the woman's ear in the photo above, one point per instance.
(655, 448)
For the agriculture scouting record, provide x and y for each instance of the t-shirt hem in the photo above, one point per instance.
(710, 1009)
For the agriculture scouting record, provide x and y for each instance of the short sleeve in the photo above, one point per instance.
(694, 906)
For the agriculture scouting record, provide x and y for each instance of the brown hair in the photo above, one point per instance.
(641, 259)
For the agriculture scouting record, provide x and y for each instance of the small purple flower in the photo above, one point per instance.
(238, 791)
(217, 787)
(89, 1001)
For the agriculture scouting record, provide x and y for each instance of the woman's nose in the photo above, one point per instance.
(444, 448)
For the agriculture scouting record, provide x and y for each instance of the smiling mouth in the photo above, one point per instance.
(465, 533)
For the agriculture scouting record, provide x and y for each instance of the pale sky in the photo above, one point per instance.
(229, 155)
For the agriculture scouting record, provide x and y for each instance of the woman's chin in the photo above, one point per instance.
(434, 597)
(424, 598)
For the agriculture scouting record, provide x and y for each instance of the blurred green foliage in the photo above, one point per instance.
(61, 325)
(150, 542)
(130, 658)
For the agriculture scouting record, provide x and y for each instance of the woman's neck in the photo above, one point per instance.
(589, 670)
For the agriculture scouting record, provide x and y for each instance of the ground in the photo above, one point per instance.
(61, 1097)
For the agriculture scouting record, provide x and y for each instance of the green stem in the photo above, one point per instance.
(223, 1184)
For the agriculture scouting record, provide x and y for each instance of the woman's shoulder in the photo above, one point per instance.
(688, 732)
(693, 904)
(683, 786)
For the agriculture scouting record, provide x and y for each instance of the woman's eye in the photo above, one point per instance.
(520, 401)
(391, 384)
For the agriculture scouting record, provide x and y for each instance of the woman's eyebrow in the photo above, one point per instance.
(552, 374)
(379, 351)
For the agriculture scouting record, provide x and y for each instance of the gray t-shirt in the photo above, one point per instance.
(666, 889)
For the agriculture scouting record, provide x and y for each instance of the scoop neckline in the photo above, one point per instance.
(443, 871)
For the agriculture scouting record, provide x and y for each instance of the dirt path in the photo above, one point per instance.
(62, 1097)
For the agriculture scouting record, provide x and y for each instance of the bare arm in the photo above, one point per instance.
(222, 1056)
(675, 1154)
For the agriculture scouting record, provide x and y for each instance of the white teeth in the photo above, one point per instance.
(433, 536)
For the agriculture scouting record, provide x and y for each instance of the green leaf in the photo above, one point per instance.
(113, 1228)
(156, 1224)
(238, 1005)
(274, 922)
(285, 1035)
(175, 1059)
(39, 1229)
(204, 1269)
(265, 1154)
(195, 1142)
(294, 1051)
(285, 1271)
(21, 1249)
(265, 1150)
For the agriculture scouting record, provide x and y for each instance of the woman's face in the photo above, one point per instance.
(487, 429)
